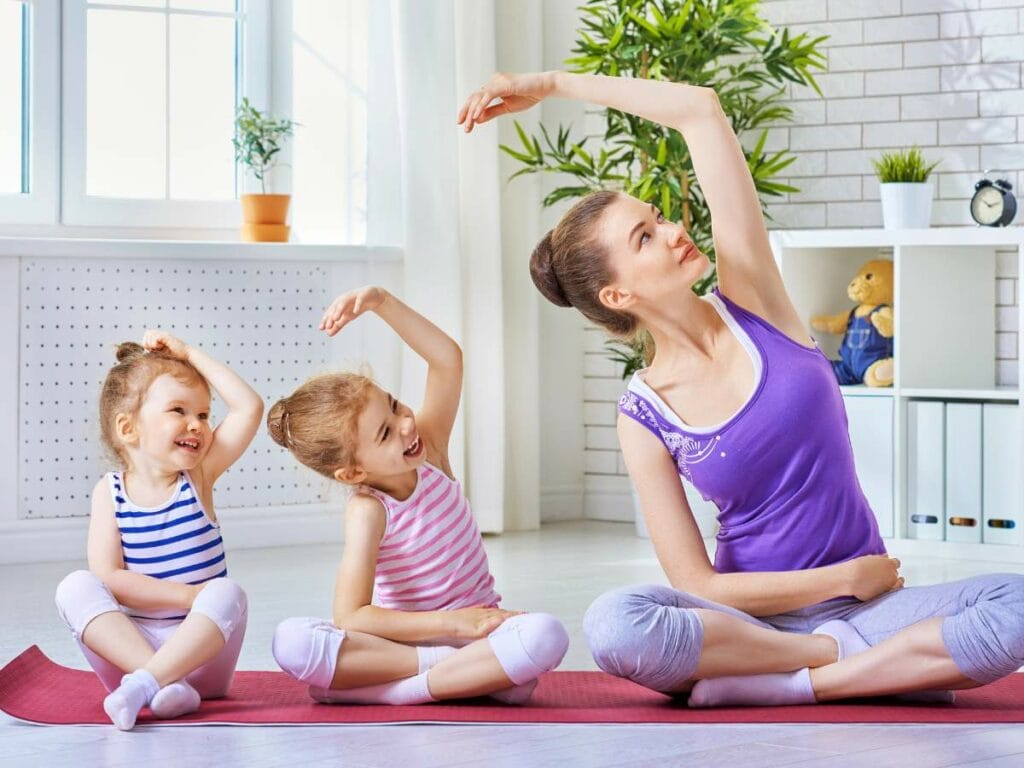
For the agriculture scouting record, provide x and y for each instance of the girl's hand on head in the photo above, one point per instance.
(516, 93)
(349, 306)
(474, 623)
(157, 341)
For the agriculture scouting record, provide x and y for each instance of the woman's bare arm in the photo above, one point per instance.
(680, 548)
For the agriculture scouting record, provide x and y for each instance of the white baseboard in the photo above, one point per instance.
(561, 502)
(33, 541)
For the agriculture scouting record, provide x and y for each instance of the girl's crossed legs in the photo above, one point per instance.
(190, 659)
(354, 667)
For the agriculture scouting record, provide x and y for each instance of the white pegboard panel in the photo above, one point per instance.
(257, 317)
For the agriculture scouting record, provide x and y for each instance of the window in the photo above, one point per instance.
(14, 69)
(29, 93)
(150, 90)
(131, 125)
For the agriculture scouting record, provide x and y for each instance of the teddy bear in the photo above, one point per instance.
(865, 354)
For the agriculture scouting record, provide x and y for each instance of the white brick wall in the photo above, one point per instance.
(944, 74)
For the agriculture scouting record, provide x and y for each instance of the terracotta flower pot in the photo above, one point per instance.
(265, 217)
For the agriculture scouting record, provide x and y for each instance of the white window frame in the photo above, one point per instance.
(78, 208)
(40, 204)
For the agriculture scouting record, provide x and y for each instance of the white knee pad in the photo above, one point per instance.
(82, 596)
(529, 645)
(307, 649)
(224, 603)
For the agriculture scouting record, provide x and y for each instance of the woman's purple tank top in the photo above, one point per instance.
(781, 469)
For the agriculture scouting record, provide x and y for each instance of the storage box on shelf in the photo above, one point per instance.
(939, 454)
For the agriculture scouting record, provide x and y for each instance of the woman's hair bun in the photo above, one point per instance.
(127, 350)
(542, 270)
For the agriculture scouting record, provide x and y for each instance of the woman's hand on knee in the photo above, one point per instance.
(872, 575)
(515, 93)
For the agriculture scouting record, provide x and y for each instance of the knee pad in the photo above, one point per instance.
(224, 602)
(81, 596)
(544, 639)
(529, 645)
(307, 649)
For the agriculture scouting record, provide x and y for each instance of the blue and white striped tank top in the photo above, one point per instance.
(175, 540)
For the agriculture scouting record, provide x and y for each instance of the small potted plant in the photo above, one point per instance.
(905, 190)
(257, 141)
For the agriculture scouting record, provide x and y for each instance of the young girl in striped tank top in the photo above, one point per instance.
(155, 615)
(416, 617)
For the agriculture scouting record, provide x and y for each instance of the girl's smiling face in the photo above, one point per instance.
(172, 427)
(388, 442)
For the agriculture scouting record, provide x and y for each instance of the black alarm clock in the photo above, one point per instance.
(993, 204)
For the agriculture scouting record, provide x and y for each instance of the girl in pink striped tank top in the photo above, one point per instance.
(416, 617)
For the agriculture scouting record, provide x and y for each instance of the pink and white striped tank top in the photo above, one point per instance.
(431, 555)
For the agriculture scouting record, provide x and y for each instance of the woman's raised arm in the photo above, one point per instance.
(747, 272)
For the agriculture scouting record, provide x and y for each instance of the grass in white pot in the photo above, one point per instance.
(905, 189)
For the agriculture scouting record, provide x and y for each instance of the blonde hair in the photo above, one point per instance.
(126, 386)
(318, 422)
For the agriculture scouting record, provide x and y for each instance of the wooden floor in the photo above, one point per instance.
(558, 569)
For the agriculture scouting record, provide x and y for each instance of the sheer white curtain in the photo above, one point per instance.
(451, 191)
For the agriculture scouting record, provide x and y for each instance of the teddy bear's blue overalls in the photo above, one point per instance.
(862, 345)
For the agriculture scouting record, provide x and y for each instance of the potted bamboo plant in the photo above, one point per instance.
(905, 191)
(258, 138)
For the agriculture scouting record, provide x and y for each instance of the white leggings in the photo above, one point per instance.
(82, 596)
(526, 645)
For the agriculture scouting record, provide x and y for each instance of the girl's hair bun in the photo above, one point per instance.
(276, 423)
(542, 270)
(128, 350)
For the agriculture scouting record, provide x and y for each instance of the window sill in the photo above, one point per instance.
(102, 248)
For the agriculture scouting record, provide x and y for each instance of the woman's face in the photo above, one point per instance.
(651, 259)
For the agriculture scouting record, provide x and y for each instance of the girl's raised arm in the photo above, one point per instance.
(444, 357)
(245, 408)
(747, 271)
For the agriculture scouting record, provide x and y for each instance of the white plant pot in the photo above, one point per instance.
(704, 512)
(906, 206)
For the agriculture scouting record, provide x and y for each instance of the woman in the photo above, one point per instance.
(739, 400)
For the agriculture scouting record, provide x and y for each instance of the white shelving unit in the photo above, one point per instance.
(945, 350)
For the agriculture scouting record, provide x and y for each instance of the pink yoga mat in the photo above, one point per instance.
(35, 689)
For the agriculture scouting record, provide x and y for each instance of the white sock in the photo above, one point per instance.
(175, 700)
(847, 638)
(851, 643)
(124, 703)
(430, 655)
(410, 690)
(773, 689)
(517, 694)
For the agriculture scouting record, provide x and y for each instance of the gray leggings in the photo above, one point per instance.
(651, 634)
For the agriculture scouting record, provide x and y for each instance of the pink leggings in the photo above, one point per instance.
(82, 596)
